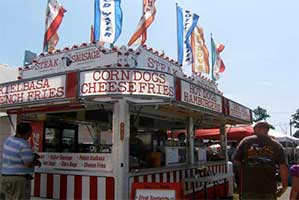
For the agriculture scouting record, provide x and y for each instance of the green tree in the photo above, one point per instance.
(296, 134)
(295, 119)
(260, 114)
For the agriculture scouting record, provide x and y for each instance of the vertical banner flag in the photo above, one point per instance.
(54, 16)
(149, 11)
(107, 20)
(217, 62)
(200, 52)
(186, 22)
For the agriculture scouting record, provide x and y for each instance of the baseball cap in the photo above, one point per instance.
(262, 124)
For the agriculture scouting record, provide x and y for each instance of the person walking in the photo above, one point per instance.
(294, 172)
(256, 158)
(18, 164)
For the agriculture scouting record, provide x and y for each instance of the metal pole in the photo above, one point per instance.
(120, 151)
(191, 139)
(291, 134)
(223, 141)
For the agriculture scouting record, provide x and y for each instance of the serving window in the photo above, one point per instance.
(78, 132)
(60, 138)
(150, 146)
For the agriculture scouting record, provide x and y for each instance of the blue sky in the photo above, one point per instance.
(260, 39)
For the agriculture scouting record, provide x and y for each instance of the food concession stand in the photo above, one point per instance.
(100, 118)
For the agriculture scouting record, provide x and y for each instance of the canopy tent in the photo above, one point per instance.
(233, 133)
(239, 132)
(282, 137)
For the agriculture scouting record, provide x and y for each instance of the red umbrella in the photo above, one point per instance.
(233, 133)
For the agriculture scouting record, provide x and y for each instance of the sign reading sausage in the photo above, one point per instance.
(81, 58)
(125, 81)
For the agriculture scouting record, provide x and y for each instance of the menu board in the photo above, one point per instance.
(77, 161)
(175, 155)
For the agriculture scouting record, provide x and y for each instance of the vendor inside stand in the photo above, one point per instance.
(150, 146)
(137, 149)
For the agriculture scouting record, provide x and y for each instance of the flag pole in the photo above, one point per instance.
(177, 25)
(91, 34)
(45, 49)
(212, 66)
(144, 35)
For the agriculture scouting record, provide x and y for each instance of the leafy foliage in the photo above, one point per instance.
(295, 119)
(296, 134)
(260, 114)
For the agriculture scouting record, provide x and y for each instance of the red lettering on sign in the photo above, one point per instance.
(158, 65)
(127, 81)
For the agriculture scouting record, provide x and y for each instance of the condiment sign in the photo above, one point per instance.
(148, 194)
(32, 90)
(83, 58)
(157, 191)
(196, 95)
(126, 81)
(238, 111)
(77, 161)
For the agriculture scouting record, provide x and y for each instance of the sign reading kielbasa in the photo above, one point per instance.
(81, 58)
(238, 111)
(76, 161)
(193, 94)
(125, 81)
(32, 90)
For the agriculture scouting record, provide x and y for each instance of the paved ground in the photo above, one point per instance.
(286, 194)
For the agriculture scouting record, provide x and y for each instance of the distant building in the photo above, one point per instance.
(6, 74)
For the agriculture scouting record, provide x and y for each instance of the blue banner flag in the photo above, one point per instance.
(107, 20)
(186, 22)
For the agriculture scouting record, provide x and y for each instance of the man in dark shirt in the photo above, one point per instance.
(136, 146)
(257, 157)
